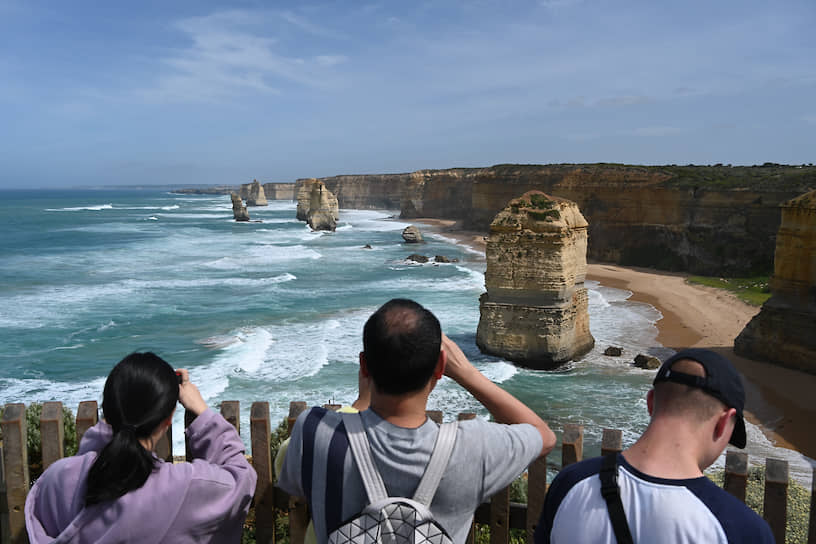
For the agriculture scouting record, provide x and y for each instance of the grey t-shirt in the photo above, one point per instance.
(485, 459)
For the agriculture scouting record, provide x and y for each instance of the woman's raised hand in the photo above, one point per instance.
(189, 395)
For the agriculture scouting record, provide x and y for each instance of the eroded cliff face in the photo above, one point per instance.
(784, 331)
(535, 309)
(707, 220)
(317, 205)
(280, 191)
(367, 192)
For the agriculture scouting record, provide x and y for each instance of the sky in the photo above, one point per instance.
(198, 92)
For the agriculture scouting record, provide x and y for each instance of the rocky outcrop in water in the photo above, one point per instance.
(784, 331)
(255, 195)
(411, 235)
(239, 211)
(534, 312)
(317, 205)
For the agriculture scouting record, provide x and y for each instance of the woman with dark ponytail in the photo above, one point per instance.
(116, 490)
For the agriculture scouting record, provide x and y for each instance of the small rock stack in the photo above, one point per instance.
(534, 312)
(239, 211)
(255, 194)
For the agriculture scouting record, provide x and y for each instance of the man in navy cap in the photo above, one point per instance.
(655, 491)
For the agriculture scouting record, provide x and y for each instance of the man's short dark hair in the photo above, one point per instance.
(401, 343)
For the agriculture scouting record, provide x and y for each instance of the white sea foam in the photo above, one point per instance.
(95, 208)
(109, 325)
(61, 348)
(153, 218)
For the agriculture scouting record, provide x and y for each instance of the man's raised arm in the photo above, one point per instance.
(504, 407)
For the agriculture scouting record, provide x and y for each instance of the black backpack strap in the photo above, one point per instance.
(611, 494)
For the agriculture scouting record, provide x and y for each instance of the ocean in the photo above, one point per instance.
(270, 311)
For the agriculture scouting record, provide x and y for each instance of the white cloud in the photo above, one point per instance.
(331, 60)
(653, 131)
(231, 53)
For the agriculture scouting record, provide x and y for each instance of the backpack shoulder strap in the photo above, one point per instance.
(361, 451)
(611, 494)
(440, 456)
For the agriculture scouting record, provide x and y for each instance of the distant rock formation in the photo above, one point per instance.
(412, 235)
(317, 205)
(255, 194)
(417, 258)
(535, 309)
(784, 331)
(239, 211)
(613, 351)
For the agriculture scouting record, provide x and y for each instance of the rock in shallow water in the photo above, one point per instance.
(412, 235)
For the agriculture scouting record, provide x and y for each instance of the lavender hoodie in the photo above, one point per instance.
(203, 501)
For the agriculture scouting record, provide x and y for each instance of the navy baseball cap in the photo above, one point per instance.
(722, 381)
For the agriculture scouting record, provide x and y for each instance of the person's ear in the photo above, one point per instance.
(725, 425)
(439, 370)
(650, 401)
(364, 366)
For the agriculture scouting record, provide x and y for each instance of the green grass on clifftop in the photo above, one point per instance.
(754, 291)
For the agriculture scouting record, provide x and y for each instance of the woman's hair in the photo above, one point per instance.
(140, 393)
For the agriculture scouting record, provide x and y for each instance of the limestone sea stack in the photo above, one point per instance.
(317, 205)
(534, 312)
(239, 211)
(256, 195)
(784, 331)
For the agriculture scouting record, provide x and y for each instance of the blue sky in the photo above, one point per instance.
(96, 93)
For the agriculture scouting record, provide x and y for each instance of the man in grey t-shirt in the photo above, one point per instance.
(404, 355)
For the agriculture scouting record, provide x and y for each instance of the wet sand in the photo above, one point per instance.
(778, 399)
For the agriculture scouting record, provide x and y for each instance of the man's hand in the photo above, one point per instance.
(504, 407)
(457, 366)
(189, 395)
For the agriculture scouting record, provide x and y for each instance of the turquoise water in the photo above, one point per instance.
(264, 310)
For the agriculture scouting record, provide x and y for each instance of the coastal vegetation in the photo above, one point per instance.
(34, 443)
(754, 290)
(798, 502)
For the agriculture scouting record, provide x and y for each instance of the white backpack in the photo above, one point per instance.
(395, 520)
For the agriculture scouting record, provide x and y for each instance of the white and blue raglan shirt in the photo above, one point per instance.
(657, 509)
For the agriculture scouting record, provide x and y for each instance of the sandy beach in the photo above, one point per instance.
(779, 400)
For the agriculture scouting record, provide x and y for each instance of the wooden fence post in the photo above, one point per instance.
(295, 409)
(572, 444)
(52, 433)
(500, 517)
(298, 509)
(435, 416)
(536, 491)
(164, 447)
(775, 505)
(260, 429)
(189, 417)
(471, 538)
(611, 441)
(231, 410)
(812, 529)
(15, 462)
(86, 417)
(735, 480)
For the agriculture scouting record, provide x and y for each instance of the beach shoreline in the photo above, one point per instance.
(778, 400)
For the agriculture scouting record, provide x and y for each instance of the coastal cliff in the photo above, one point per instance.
(535, 309)
(784, 331)
(255, 195)
(714, 220)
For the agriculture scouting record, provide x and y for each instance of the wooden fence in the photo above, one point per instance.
(500, 514)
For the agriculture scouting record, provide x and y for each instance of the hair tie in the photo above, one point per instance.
(131, 428)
